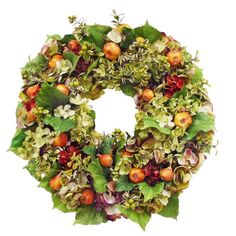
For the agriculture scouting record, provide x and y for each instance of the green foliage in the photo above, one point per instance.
(140, 218)
(150, 122)
(50, 97)
(59, 204)
(123, 184)
(67, 38)
(147, 32)
(18, 139)
(35, 65)
(172, 208)
(73, 58)
(99, 178)
(201, 122)
(89, 216)
(198, 76)
(128, 89)
(150, 192)
(129, 38)
(58, 124)
(90, 150)
(106, 146)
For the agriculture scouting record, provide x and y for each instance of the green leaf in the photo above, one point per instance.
(123, 184)
(59, 204)
(18, 139)
(198, 76)
(72, 57)
(31, 167)
(91, 67)
(99, 178)
(129, 38)
(128, 90)
(50, 97)
(140, 218)
(58, 124)
(150, 192)
(172, 208)
(90, 216)
(35, 65)
(150, 122)
(106, 145)
(90, 150)
(201, 122)
(183, 92)
(67, 38)
(55, 37)
(147, 32)
(97, 34)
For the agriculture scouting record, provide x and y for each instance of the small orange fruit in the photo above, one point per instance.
(147, 95)
(55, 60)
(87, 197)
(32, 91)
(167, 174)
(62, 88)
(174, 57)
(30, 117)
(105, 160)
(136, 175)
(74, 45)
(60, 140)
(111, 50)
(55, 183)
(183, 119)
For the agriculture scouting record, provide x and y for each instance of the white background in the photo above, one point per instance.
(208, 206)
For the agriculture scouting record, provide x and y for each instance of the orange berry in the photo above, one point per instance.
(74, 45)
(62, 88)
(167, 174)
(105, 160)
(136, 175)
(183, 119)
(111, 50)
(87, 197)
(55, 60)
(55, 183)
(60, 140)
(174, 57)
(147, 95)
(30, 117)
(32, 91)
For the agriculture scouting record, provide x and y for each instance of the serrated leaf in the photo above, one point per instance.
(128, 90)
(18, 139)
(149, 192)
(147, 32)
(123, 184)
(31, 167)
(140, 218)
(67, 38)
(59, 204)
(50, 97)
(99, 178)
(106, 145)
(90, 150)
(90, 216)
(129, 38)
(201, 122)
(183, 92)
(35, 65)
(60, 125)
(172, 208)
(72, 57)
(198, 76)
(149, 122)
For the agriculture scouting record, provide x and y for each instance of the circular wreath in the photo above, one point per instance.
(99, 176)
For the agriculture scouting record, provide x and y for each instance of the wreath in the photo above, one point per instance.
(102, 177)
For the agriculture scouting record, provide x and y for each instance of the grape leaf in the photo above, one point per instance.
(128, 90)
(150, 122)
(99, 178)
(18, 139)
(140, 218)
(129, 38)
(150, 192)
(198, 76)
(58, 124)
(73, 58)
(59, 204)
(106, 145)
(50, 97)
(147, 32)
(90, 150)
(67, 38)
(201, 122)
(90, 216)
(123, 184)
(172, 208)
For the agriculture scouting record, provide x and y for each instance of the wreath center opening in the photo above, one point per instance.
(114, 110)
